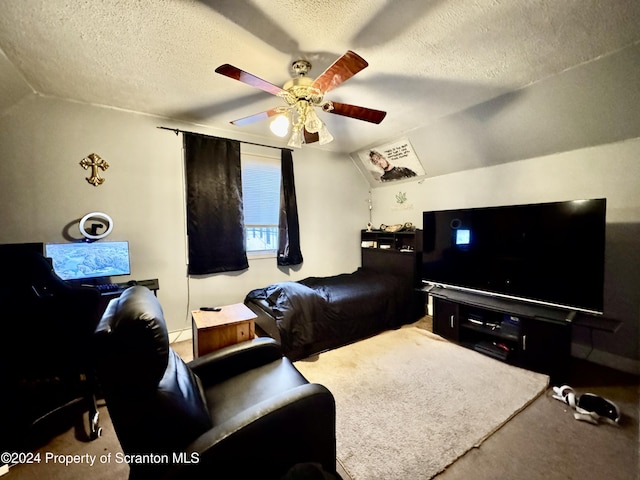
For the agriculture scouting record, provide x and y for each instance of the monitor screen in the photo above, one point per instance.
(551, 253)
(75, 261)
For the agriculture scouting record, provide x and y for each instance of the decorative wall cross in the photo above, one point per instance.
(95, 162)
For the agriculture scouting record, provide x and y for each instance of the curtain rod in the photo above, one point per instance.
(177, 130)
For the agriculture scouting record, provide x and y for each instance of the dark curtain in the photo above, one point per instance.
(215, 223)
(289, 229)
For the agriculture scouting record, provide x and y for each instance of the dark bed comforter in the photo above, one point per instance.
(334, 310)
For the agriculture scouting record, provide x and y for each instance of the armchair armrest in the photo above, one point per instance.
(235, 359)
(297, 426)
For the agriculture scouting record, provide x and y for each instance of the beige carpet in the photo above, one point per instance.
(409, 403)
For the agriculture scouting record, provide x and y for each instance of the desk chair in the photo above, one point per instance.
(47, 327)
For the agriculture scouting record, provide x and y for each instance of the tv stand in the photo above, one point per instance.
(535, 337)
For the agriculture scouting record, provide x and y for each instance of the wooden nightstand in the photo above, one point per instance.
(214, 330)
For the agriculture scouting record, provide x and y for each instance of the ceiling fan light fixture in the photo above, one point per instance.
(324, 136)
(306, 121)
(280, 125)
(312, 123)
(296, 139)
(302, 94)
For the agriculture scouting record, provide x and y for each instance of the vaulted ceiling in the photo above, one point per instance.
(428, 59)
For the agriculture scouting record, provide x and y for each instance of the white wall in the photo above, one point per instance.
(43, 193)
(570, 136)
(611, 171)
(332, 209)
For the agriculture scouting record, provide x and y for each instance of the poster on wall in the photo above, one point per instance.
(390, 162)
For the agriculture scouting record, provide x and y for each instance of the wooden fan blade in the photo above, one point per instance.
(237, 74)
(310, 137)
(342, 69)
(360, 113)
(258, 116)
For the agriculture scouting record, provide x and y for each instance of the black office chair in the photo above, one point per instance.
(47, 327)
(241, 412)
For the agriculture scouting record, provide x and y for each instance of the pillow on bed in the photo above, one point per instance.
(272, 293)
(268, 294)
(287, 289)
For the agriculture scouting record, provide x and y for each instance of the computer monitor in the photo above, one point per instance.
(83, 260)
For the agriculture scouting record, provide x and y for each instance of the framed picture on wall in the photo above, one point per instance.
(390, 162)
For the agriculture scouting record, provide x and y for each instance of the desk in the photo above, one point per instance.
(214, 330)
(113, 290)
(117, 289)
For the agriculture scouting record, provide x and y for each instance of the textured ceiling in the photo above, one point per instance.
(427, 58)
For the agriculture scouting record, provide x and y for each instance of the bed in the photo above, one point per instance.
(319, 313)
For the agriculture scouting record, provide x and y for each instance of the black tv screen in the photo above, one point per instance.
(548, 253)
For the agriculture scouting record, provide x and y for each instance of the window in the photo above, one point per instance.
(261, 199)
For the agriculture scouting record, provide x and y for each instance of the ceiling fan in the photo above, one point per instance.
(302, 95)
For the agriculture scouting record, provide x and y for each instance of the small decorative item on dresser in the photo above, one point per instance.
(398, 227)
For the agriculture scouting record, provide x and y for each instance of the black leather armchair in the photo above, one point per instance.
(47, 328)
(241, 412)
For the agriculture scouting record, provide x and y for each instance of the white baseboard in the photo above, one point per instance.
(180, 335)
(600, 357)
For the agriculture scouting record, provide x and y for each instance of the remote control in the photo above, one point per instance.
(210, 309)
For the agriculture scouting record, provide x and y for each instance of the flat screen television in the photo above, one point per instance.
(83, 260)
(547, 253)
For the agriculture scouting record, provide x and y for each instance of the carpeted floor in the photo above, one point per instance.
(541, 442)
(408, 403)
(545, 442)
